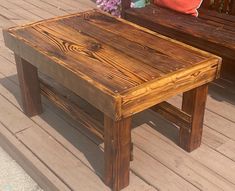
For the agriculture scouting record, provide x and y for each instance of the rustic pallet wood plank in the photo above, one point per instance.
(180, 162)
(141, 157)
(72, 108)
(155, 174)
(222, 164)
(66, 135)
(106, 100)
(148, 175)
(228, 149)
(173, 114)
(25, 14)
(213, 138)
(117, 147)
(32, 9)
(143, 35)
(49, 155)
(132, 100)
(120, 79)
(8, 14)
(30, 88)
(139, 51)
(210, 137)
(64, 164)
(43, 34)
(31, 164)
(218, 114)
(63, 5)
(194, 103)
(82, 3)
(20, 122)
(5, 23)
(47, 7)
(7, 68)
(196, 34)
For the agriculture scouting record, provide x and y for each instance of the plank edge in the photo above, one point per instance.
(29, 162)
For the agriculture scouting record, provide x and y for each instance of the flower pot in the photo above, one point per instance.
(138, 3)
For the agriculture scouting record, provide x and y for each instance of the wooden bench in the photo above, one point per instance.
(94, 60)
(213, 30)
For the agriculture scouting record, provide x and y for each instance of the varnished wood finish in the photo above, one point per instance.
(71, 49)
(194, 103)
(158, 162)
(224, 6)
(125, 5)
(186, 29)
(102, 59)
(232, 9)
(117, 146)
(191, 30)
(173, 114)
(29, 85)
(136, 100)
(74, 106)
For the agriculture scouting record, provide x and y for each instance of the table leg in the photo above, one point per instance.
(194, 102)
(29, 86)
(117, 148)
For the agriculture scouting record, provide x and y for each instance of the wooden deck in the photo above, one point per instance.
(62, 155)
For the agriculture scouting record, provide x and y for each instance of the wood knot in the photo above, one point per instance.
(94, 46)
(196, 74)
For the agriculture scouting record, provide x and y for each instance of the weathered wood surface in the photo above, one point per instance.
(225, 6)
(173, 114)
(117, 151)
(29, 85)
(194, 103)
(191, 30)
(73, 105)
(169, 168)
(73, 48)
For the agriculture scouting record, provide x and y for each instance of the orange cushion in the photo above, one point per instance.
(183, 6)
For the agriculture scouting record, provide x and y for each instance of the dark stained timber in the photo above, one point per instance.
(115, 69)
(194, 103)
(194, 31)
(117, 147)
(29, 85)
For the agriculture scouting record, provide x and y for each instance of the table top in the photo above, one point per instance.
(111, 58)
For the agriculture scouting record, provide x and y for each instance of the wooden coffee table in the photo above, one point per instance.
(120, 69)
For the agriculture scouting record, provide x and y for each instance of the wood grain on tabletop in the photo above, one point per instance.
(79, 45)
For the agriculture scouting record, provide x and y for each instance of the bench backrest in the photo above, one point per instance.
(224, 6)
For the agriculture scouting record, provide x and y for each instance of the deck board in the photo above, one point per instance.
(211, 167)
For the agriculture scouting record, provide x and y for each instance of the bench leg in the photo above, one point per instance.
(117, 144)
(29, 86)
(194, 102)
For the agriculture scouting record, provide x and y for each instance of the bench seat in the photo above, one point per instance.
(212, 31)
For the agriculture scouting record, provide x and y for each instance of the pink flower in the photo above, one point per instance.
(111, 6)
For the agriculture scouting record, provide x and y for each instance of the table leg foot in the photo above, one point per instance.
(29, 86)
(194, 102)
(117, 144)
